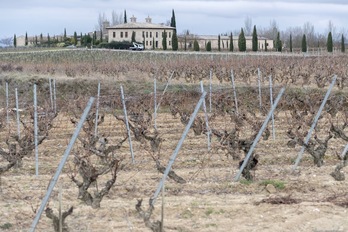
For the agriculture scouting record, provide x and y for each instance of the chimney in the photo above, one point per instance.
(133, 19)
(148, 19)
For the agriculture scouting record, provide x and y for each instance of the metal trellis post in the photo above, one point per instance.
(35, 134)
(97, 112)
(127, 125)
(259, 134)
(299, 156)
(206, 118)
(61, 165)
(17, 113)
(234, 92)
(176, 151)
(271, 99)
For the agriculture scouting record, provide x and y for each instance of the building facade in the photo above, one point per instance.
(224, 42)
(147, 33)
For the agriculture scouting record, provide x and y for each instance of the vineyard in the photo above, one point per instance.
(110, 178)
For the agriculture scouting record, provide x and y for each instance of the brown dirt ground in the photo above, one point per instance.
(209, 201)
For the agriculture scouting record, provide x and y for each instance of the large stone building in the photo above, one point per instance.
(224, 42)
(148, 33)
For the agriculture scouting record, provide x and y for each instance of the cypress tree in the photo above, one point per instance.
(35, 40)
(172, 20)
(26, 39)
(290, 43)
(75, 38)
(185, 45)
(175, 45)
(241, 41)
(266, 45)
(153, 44)
(15, 40)
(219, 43)
(64, 34)
(208, 47)
(343, 47)
(278, 43)
(304, 44)
(329, 43)
(231, 43)
(254, 40)
(48, 40)
(196, 46)
(41, 38)
(125, 17)
(164, 40)
(133, 36)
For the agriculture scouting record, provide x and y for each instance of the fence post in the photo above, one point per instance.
(164, 91)
(234, 92)
(97, 112)
(271, 99)
(206, 118)
(7, 117)
(256, 140)
(54, 96)
(61, 165)
(51, 94)
(155, 101)
(299, 156)
(35, 134)
(17, 113)
(176, 151)
(259, 83)
(210, 88)
(127, 125)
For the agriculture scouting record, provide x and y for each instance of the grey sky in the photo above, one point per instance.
(199, 16)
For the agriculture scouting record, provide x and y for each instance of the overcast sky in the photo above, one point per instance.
(203, 17)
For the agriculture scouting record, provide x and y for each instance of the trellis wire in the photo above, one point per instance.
(210, 88)
(299, 156)
(61, 165)
(234, 91)
(97, 112)
(7, 117)
(259, 83)
(271, 99)
(155, 102)
(127, 125)
(17, 114)
(35, 134)
(247, 157)
(176, 151)
(206, 118)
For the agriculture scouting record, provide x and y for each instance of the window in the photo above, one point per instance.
(170, 34)
(126, 34)
(121, 34)
(169, 43)
(143, 34)
(113, 34)
(150, 34)
(150, 43)
(147, 34)
(156, 44)
(147, 43)
(157, 34)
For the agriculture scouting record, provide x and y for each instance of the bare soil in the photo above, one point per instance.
(308, 199)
